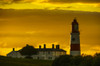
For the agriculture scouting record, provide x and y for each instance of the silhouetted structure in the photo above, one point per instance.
(75, 39)
(38, 53)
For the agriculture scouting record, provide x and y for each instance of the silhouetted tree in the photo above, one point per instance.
(76, 60)
(28, 50)
(87, 61)
(64, 60)
(96, 60)
(97, 54)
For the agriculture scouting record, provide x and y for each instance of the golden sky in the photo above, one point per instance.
(36, 22)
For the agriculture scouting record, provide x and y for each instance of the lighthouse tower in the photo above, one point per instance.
(75, 39)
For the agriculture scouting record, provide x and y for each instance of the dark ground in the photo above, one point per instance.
(5, 61)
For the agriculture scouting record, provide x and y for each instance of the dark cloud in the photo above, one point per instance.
(23, 1)
(74, 1)
(3, 2)
(16, 1)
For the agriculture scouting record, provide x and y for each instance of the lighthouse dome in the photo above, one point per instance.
(75, 21)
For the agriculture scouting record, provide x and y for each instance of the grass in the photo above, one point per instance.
(6, 61)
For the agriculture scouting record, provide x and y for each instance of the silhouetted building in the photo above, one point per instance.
(15, 54)
(75, 39)
(43, 53)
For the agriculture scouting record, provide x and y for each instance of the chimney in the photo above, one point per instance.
(52, 46)
(39, 46)
(44, 46)
(57, 46)
(13, 49)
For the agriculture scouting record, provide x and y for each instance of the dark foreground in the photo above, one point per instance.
(66, 60)
(84, 60)
(5, 61)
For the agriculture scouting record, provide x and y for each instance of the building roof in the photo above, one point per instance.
(13, 52)
(50, 49)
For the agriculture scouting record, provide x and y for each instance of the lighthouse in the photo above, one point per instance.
(75, 39)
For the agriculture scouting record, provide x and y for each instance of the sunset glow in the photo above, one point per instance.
(38, 22)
